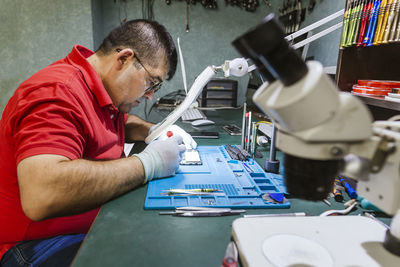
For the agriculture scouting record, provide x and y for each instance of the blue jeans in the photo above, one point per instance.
(55, 251)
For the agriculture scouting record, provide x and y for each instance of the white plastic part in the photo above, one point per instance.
(194, 92)
(313, 110)
(349, 240)
(395, 225)
(295, 250)
(183, 70)
(236, 67)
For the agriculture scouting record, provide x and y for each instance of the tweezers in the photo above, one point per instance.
(201, 212)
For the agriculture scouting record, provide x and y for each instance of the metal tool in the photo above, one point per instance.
(193, 192)
(369, 215)
(231, 256)
(253, 139)
(294, 214)
(242, 144)
(201, 212)
(248, 133)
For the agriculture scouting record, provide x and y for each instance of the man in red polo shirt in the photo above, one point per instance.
(61, 142)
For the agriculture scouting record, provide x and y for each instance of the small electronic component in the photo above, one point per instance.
(232, 129)
(205, 135)
(191, 157)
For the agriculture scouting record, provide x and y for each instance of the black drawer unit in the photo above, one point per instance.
(220, 93)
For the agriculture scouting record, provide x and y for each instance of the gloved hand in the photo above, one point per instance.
(161, 157)
(176, 130)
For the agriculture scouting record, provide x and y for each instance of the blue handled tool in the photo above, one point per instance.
(350, 190)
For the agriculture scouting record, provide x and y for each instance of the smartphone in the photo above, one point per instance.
(191, 157)
(205, 135)
(232, 129)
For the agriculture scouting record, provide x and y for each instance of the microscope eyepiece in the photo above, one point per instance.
(265, 44)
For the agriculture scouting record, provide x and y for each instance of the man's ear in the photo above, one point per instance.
(124, 56)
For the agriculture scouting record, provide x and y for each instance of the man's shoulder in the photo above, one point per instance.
(58, 72)
(57, 81)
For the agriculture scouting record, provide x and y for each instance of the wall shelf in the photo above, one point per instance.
(372, 63)
(380, 102)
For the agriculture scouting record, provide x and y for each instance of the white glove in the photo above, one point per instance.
(176, 130)
(161, 157)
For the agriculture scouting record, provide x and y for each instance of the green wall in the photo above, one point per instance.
(326, 48)
(35, 33)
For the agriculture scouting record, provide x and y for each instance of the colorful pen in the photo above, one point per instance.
(395, 21)
(397, 34)
(345, 24)
(380, 21)
(364, 22)
(358, 21)
(353, 23)
(389, 23)
(350, 32)
(374, 19)
(385, 19)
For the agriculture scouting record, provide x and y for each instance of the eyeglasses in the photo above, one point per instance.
(154, 86)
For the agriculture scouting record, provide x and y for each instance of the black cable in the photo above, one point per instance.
(148, 113)
(150, 9)
(145, 110)
(147, 9)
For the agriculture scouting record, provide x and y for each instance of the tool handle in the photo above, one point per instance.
(389, 24)
(350, 191)
(364, 22)
(357, 26)
(229, 262)
(374, 21)
(371, 22)
(394, 26)
(381, 15)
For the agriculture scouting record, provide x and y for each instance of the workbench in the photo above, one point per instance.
(125, 234)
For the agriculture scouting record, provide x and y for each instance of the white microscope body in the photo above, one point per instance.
(322, 130)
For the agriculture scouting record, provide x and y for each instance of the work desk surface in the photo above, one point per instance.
(124, 234)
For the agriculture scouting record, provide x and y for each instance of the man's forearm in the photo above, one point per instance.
(65, 187)
(136, 129)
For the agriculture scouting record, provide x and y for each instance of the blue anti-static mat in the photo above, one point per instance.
(243, 187)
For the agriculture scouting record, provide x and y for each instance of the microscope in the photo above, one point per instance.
(323, 132)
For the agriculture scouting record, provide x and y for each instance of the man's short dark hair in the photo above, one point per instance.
(148, 39)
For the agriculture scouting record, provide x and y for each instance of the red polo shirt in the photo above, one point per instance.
(63, 109)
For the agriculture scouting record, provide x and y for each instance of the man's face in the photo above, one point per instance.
(131, 83)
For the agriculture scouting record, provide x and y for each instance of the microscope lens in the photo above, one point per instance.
(310, 179)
